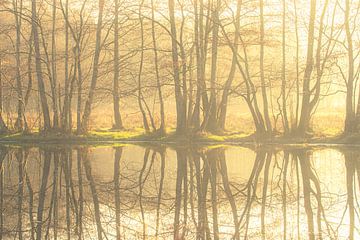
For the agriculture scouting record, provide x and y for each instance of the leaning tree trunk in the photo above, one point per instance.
(305, 108)
(88, 104)
(225, 94)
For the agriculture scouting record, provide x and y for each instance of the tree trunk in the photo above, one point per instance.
(90, 98)
(79, 90)
(225, 95)
(53, 68)
(295, 124)
(262, 74)
(305, 108)
(195, 121)
(180, 108)
(19, 124)
(65, 121)
(3, 127)
(350, 113)
(139, 98)
(211, 124)
(39, 73)
(283, 73)
(158, 84)
(116, 98)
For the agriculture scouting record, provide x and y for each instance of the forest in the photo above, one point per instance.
(263, 67)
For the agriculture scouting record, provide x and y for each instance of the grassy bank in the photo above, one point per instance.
(137, 135)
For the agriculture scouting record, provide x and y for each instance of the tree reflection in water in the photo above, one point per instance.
(183, 193)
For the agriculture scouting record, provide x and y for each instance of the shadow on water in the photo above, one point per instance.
(133, 192)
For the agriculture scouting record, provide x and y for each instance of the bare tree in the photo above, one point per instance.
(39, 72)
(116, 98)
(90, 98)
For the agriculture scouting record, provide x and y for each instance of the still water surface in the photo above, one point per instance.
(139, 192)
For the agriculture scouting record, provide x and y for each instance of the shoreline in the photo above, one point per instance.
(136, 137)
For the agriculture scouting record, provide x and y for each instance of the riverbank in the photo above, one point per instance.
(137, 135)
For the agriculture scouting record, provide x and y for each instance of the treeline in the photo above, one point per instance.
(281, 58)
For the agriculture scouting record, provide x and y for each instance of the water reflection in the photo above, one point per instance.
(133, 192)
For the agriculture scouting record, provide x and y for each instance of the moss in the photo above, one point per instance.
(123, 135)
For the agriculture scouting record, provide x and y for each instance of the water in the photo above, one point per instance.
(140, 192)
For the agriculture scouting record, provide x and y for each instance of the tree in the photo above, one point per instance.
(20, 123)
(352, 118)
(210, 122)
(181, 127)
(262, 73)
(116, 98)
(311, 94)
(90, 98)
(158, 84)
(39, 72)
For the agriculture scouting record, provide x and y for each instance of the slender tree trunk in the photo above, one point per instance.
(196, 114)
(295, 125)
(90, 98)
(79, 89)
(283, 73)
(53, 68)
(303, 126)
(139, 98)
(116, 97)
(66, 107)
(30, 72)
(211, 115)
(158, 84)
(350, 113)
(3, 127)
(19, 124)
(225, 95)
(262, 73)
(180, 108)
(39, 73)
